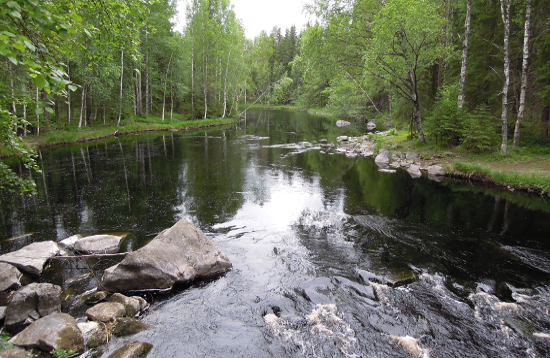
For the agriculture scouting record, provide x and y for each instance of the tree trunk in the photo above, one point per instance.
(68, 98)
(205, 87)
(505, 10)
(225, 83)
(192, 79)
(89, 104)
(465, 50)
(37, 114)
(171, 103)
(120, 92)
(13, 109)
(56, 107)
(146, 86)
(139, 97)
(165, 82)
(81, 106)
(25, 118)
(544, 120)
(416, 104)
(524, 70)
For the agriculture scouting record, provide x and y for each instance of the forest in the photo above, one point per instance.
(474, 74)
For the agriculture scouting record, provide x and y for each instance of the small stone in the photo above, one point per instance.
(106, 311)
(341, 123)
(323, 140)
(94, 297)
(342, 138)
(371, 126)
(389, 171)
(133, 349)
(143, 304)
(131, 305)
(383, 159)
(412, 156)
(97, 337)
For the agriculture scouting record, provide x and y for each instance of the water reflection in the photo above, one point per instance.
(302, 228)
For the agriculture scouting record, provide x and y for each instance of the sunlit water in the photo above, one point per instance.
(331, 258)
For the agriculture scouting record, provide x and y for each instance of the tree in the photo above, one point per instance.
(465, 49)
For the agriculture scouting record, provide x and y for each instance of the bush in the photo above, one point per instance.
(479, 132)
(444, 122)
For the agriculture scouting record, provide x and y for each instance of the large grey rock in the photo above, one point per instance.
(106, 311)
(412, 156)
(414, 171)
(69, 242)
(437, 170)
(133, 349)
(15, 353)
(94, 333)
(9, 277)
(57, 330)
(32, 258)
(2, 312)
(383, 159)
(177, 255)
(31, 302)
(98, 244)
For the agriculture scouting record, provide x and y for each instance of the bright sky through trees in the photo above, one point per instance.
(258, 15)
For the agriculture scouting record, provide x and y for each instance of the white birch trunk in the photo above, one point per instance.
(37, 114)
(465, 50)
(81, 106)
(165, 82)
(505, 10)
(120, 92)
(225, 84)
(524, 70)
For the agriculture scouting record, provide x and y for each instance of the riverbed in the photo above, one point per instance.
(331, 257)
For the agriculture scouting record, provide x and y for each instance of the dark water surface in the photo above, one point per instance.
(331, 258)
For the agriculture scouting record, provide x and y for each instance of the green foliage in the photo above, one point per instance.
(479, 131)
(282, 91)
(62, 353)
(4, 337)
(444, 123)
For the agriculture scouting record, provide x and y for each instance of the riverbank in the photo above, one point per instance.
(318, 111)
(526, 168)
(70, 134)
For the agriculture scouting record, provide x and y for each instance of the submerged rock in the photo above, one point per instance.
(98, 244)
(57, 330)
(436, 170)
(133, 349)
(341, 123)
(31, 302)
(93, 298)
(177, 255)
(32, 258)
(9, 277)
(126, 326)
(106, 311)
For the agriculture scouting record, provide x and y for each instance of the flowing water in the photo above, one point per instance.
(331, 258)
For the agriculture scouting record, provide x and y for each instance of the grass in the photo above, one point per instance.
(71, 134)
(322, 111)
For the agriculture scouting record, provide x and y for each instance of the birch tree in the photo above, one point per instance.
(465, 49)
(505, 6)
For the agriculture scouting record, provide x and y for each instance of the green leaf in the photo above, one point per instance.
(30, 46)
(15, 14)
(39, 81)
(13, 60)
(49, 110)
(73, 88)
(11, 4)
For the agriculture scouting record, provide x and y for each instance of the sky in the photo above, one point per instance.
(258, 15)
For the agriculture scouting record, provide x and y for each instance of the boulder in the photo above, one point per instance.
(412, 156)
(342, 138)
(9, 277)
(98, 244)
(341, 123)
(106, 311)
(143, 304)
(57, 330)
(371, 126)
(437, 170)
(133, 349)
(16, 353)
(126, 326)
(32, 258)
(178, 255)
(414, 171)
(69, 242)
(383, 159)
(323, 140)
(131, 305)
(94, 334)
(2, 313)
(436, 173)
(31, 302)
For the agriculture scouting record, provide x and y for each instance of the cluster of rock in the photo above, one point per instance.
(178, 255)
(387, 161)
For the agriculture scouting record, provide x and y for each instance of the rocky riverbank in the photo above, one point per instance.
(33, 313)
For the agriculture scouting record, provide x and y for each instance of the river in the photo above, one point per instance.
(331, 258)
